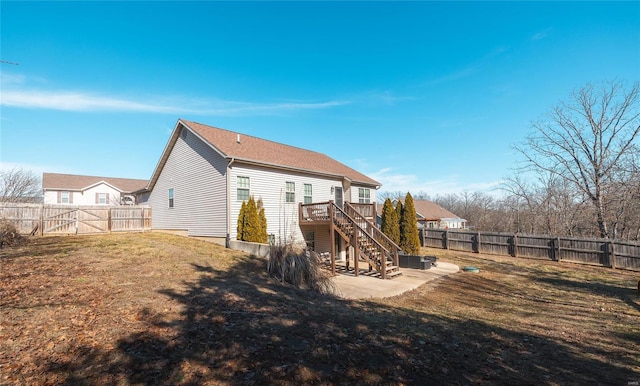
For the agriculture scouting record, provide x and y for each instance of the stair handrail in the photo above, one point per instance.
(381, 265)
(380, 234)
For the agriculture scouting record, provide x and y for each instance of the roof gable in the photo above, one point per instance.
(56, 181)
(246, 148)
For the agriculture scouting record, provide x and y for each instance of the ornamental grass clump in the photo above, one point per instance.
(302, 270)
(9, 235)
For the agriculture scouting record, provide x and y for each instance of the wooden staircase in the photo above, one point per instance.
(368, 242)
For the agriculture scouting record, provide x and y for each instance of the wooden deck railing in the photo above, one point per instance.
(314, 212)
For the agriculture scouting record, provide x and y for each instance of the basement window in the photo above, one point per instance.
(310, 238)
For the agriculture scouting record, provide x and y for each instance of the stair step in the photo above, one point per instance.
(391, 275)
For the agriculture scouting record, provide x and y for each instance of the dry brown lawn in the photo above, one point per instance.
(155, 309)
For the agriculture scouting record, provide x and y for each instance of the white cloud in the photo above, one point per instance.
(452, 184)
(541, 34)
(7, 78)
(463, 73)
(470, 69)
(85, 102)
(386, 97)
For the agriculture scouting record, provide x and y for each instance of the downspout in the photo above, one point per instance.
(228, 239)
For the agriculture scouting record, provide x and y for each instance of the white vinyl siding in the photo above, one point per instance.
(291, 191)
(244, 188)
(270, 185)
(197, 173)
(308, 193)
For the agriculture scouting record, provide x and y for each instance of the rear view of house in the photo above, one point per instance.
(206, 173)
(90, 190)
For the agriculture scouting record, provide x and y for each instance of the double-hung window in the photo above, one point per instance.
(290, 191)
(170, 197)
(308, 194)
(64, 197)
(243, 188)
(364, 196)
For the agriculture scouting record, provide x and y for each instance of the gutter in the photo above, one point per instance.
(227, 241)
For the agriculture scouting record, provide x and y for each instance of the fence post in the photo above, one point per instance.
(556, 249)
(41, 221)
(477, 242)
(446, 239)
(109, 220)
(612, 254)
(515, 244)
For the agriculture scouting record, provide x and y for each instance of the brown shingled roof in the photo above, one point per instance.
(431, 211)
(427, 210)
(55, 181)
(262, 151)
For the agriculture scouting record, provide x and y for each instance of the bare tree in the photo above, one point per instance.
(590, 142)
(19, 185)
(397, 195)
(422, 195)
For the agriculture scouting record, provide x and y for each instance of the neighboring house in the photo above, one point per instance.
(90, 190)
(205, 173)
(432, 216)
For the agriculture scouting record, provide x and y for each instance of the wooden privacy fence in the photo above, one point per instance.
(603, 252)
(75, 219)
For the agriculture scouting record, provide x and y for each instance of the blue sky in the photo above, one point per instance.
(422, 96)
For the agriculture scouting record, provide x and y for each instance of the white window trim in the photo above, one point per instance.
(239, 188)
(365, 198)
(290, 193)
(309, 196)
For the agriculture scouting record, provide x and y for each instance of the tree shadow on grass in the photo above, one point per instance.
(628, 295)
(239, 327)
(38, 246)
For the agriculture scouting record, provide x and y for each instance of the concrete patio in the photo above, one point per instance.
(370, 285)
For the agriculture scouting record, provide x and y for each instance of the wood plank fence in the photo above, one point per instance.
(603, 252)
(76, 219)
